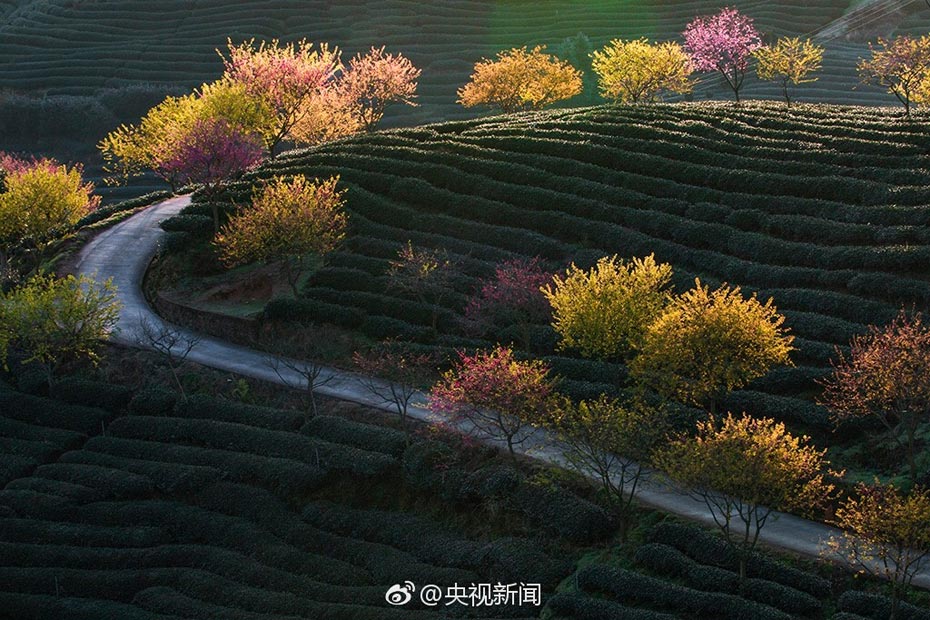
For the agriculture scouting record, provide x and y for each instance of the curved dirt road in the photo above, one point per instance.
(123, 253)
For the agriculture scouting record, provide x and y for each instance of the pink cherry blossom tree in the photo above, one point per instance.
(723, 42)
(210, 152)
(376, 79)
(284, 77)
(495, 394)
(512, 297)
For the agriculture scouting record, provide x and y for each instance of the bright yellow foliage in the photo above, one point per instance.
(604, 311)
(790, 60)
(289, 221)
(886, 533)
(743, 468)
(708, 343)
(36, 202)
(53, 321)
(520, 80)
(637, 70)
(133, 149)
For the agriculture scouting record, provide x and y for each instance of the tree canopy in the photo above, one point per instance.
(521, 80)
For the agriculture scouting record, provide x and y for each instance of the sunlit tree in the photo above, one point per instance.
(604, 311)
(707, 343)
(521, 80)
(289, 222)
(39, 197)
(513, 297)
(886, 376)
(283, 76)
(637, 70)
(901, 65)
(886, 533)
(55, 321)
(495, 394)
(612, 441)
(789, 61)
(374, 80)
(744, 469)
(724, 43)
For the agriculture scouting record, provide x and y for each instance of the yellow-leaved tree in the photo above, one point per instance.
(637, 70)
(886, 533)
(707, 343)
(743, 469)
(790, 61)
(149, 145)
(521, 80)
(902, 65)
(604, 311)
(289, 222)
(53, 321)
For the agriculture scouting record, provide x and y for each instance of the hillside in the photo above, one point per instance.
(823, 208)
(72, 70)
(83, 47)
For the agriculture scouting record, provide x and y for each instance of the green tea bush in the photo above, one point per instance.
(877, 607)
(368, 437)
(199, 406)
(581, 607)
(75, 391)
(706, 548)
(630, 587)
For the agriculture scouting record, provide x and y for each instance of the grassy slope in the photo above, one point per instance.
(824, 209)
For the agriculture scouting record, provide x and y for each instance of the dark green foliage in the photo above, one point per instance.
(44, 412)
(112, 398)
(580, 607)
(365, 436)
(198, 226)
(668, 561)
(431, 465)
(200, 406)
(153, 401)
(877, 607)
(628, 587)
(704, 547)
(312, 311)
(254, 440)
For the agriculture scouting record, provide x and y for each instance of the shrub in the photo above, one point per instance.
(630, 587)
(581, 607)
(206, 407)
(668, 561)
(312, 310)
(877, 607)
(198, 226)
(153, 401)
(112, 398)
(706, 548)
(365, 436)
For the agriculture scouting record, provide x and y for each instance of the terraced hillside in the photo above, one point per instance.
(825, 209)
(210, 509)
(85, 46)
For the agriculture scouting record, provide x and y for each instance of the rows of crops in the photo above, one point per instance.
(162, 508)
(823, 209)
(683, 572)
(82, 46)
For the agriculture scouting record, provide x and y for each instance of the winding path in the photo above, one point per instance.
(124, 252)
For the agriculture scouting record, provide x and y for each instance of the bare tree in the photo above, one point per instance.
(306, 376)
(170, 342)
(395, 374)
